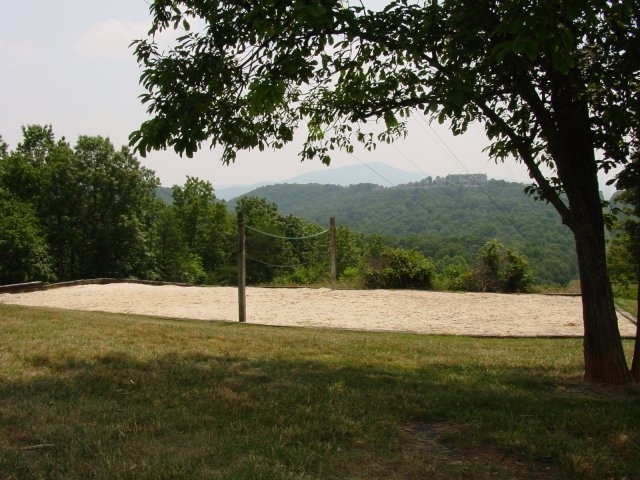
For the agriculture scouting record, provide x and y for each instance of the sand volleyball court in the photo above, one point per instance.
(425, 312)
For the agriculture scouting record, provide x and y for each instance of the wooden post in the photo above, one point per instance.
(333, 251)
(242, 298)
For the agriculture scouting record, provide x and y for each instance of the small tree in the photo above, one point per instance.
(620, 258)
(499, 269)
(206, 226)
(173, 259)
(398, 268)
(455, 272)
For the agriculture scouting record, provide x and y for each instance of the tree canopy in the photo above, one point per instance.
(91, 205)
(256, 71)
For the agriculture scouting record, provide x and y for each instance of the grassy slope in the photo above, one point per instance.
(92, 395)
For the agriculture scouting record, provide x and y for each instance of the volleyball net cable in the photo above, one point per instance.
(282, 237)
(286, 238)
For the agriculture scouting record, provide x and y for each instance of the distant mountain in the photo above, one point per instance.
(227, 193)
(377, 173)
(165, 194)
(449, 216)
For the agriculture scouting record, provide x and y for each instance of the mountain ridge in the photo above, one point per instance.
(378, 173)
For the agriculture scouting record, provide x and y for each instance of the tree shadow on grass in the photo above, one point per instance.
(232, 417)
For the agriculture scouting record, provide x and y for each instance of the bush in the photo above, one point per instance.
(453, 273)
(398, 268)
(498, 269)
(303, 275)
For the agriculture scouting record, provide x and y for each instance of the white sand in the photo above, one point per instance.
(393, 310)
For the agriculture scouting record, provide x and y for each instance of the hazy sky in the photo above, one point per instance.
(67, 63)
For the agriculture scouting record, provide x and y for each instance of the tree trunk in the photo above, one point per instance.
(604, 360)
(571, 145)
(635, 365)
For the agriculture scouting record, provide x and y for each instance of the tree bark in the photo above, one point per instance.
(604, 360)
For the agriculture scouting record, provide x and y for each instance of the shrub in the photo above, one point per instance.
(498, 269)
(398, 268)
(453, 273)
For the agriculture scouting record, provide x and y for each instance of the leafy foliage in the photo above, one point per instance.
(23, 248)
(625, 247)
(267, 252)
(174, 262)
(498, 269)
(94, 205)
(205, 224)
(256, 72)
(397, 268)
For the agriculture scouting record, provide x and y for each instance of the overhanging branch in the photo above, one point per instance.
(550, 193)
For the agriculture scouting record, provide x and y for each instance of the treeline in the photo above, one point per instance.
(452, 217)
(92, 210)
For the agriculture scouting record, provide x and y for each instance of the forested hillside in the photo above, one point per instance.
(450, 216)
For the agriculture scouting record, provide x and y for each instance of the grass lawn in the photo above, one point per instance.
(106, 396)
(628, 305)
(627, 299)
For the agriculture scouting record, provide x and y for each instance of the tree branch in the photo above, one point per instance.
(550, 193)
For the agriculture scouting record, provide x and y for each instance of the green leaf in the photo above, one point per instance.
(526, 46)
(562, 62)
(390, 120)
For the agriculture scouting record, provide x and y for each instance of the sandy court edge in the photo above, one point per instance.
(426, 312)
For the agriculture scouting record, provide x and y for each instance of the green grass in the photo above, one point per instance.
(628, 305)
(626, 297)
(105, 396)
